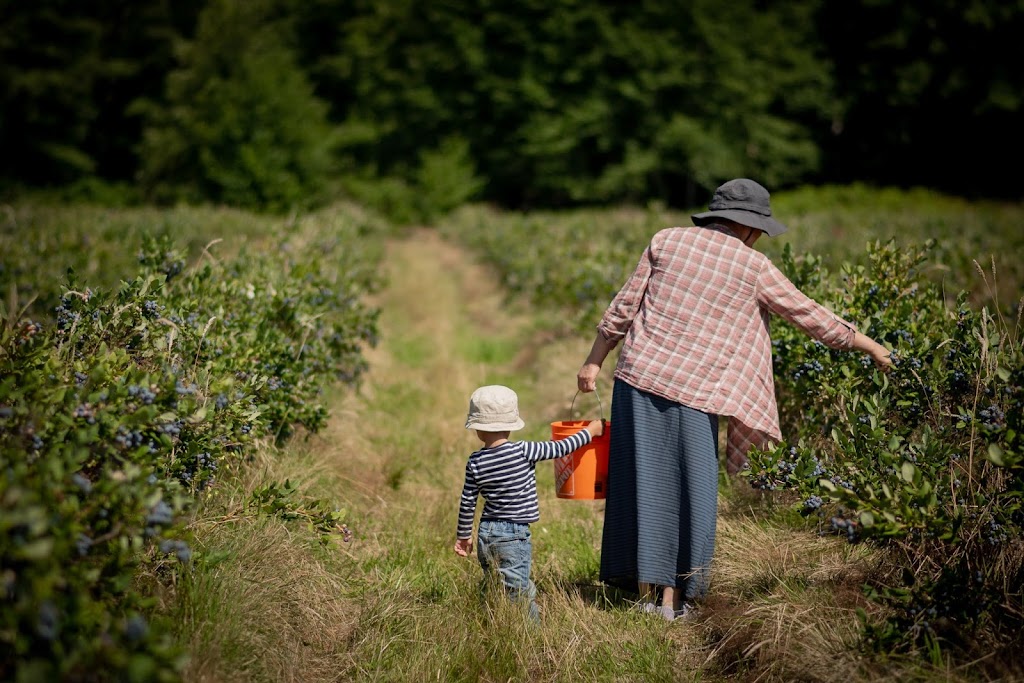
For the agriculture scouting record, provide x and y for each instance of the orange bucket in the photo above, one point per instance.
(583, 474)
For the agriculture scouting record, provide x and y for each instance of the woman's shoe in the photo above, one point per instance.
(686, 611)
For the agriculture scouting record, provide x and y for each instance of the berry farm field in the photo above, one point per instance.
(232, 449)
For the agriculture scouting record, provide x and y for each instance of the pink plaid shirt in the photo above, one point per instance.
(694, 315)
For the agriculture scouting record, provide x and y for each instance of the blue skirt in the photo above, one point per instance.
(662, 499)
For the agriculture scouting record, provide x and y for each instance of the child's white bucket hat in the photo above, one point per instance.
(494, 408)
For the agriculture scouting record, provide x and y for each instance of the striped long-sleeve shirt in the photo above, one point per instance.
(506, 477)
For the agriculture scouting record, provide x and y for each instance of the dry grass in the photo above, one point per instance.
(264, 600)
(273, 610)
(783, 603)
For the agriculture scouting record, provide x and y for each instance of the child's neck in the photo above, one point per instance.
(492, 439)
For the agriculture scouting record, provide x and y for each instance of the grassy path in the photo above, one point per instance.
(445, 331)
(396, 604)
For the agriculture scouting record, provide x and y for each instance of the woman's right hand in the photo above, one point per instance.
(586, 378)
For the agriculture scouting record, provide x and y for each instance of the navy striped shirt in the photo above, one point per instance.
(506, 477)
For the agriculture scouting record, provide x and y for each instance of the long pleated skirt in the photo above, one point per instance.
(662, 498)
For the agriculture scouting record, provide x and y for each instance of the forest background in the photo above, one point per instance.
(415, 108)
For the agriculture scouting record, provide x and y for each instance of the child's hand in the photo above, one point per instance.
(463, 546)
(596, 428)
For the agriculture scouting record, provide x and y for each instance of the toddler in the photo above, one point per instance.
(503, 472)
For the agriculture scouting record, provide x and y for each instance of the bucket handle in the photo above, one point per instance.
(600, 405)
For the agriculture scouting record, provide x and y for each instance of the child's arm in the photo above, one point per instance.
(536, 451)
(467, 511)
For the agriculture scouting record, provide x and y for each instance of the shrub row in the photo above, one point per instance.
(575, 261)
(927, 462)
(122, 406)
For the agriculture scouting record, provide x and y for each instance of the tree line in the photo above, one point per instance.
(417, 107)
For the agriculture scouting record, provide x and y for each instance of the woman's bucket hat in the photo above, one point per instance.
(494, 408)
(744, 201)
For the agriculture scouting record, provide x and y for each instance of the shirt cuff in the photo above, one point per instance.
(851, 332)
(610, 334)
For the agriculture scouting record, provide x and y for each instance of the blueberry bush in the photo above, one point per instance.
(925, 462)
(120, 406)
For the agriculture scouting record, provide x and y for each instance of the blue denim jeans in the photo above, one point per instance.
(505, 548)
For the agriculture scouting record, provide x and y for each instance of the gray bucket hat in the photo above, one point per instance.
(494, 408)
(744, 201)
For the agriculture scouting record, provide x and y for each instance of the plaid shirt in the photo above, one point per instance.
(694, 315)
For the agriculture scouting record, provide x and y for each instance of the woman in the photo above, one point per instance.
(693, 321)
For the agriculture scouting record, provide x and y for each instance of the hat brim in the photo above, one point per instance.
(766, 224)
(495, 426)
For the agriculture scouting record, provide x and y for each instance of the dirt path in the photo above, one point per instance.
(445, 330)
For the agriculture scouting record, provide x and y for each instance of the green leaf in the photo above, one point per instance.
(827, 485)
(907, 471)
(995, 455)
(36, 550)
(867, 519)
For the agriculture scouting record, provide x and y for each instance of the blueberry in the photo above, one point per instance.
(83, 543)
(136, 628)
(48, 621)
(813, 503)
(160, 514)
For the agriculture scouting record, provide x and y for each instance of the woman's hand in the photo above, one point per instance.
(881, 355)
(463, 546)
(586, 378)
(883, 358)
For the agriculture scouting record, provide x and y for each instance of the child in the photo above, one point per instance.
(504, 473)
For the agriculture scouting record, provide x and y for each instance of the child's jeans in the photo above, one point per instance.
(505, 547)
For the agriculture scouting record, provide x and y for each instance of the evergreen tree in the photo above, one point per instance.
(240, 123)
(564, 102)
(931, 91)
(69, 72)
